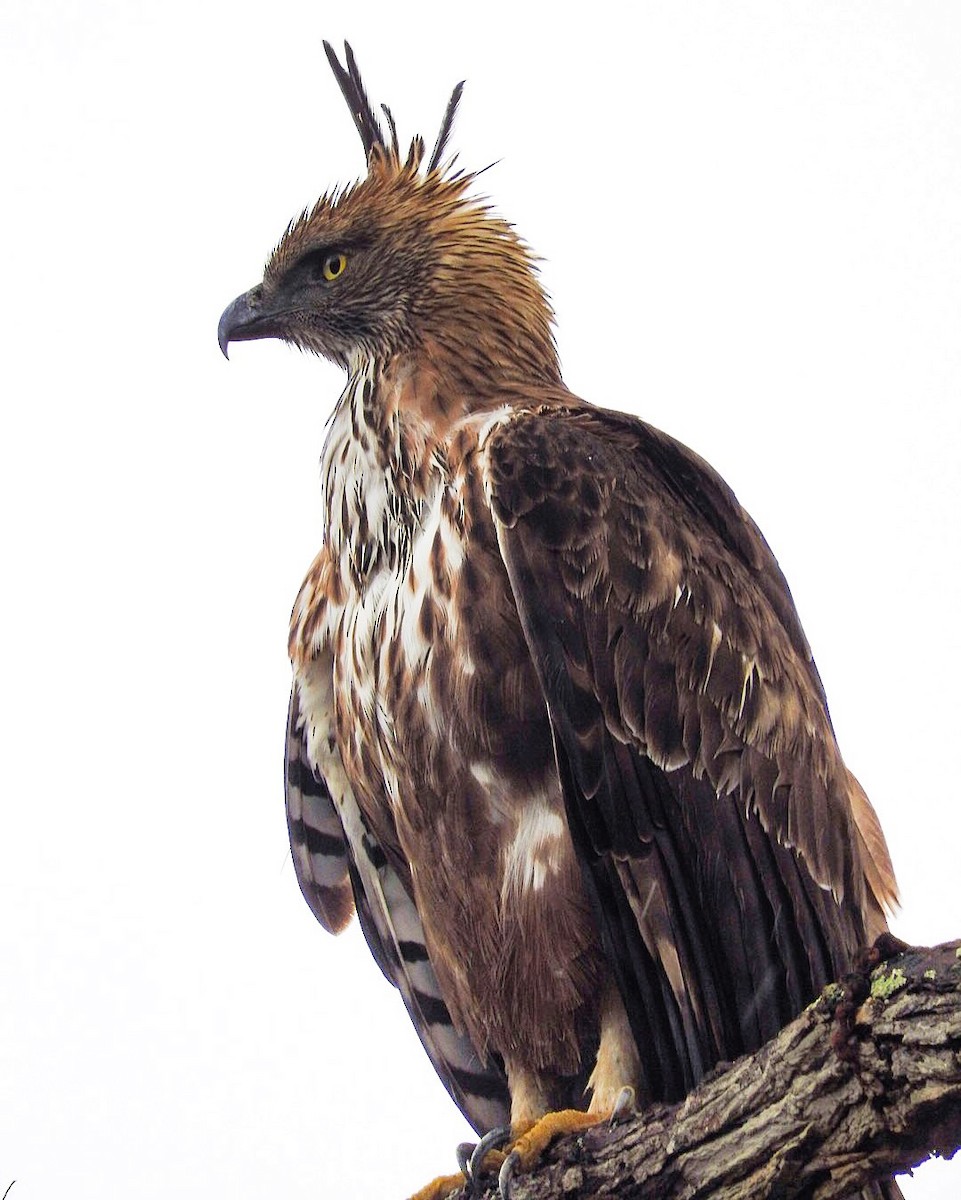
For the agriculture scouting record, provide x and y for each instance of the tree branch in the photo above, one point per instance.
(796, 1119)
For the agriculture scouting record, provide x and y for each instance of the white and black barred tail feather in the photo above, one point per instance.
(317, 843)
(338, 868)
(393, 929)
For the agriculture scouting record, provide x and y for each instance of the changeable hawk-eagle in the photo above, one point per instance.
(555, 733)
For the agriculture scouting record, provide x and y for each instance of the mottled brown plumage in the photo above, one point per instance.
(555, 728)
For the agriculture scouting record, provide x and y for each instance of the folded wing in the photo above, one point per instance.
(734, 863)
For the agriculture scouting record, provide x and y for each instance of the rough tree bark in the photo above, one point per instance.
(797, 1120)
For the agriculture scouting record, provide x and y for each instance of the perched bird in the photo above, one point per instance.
(555, 733)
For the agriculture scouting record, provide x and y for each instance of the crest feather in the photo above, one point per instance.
(376, 146)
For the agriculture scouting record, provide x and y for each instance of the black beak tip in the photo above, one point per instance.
(223, 331)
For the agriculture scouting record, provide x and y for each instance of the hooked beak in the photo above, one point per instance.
(245, 320)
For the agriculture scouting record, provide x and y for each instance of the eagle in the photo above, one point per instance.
(555, 732)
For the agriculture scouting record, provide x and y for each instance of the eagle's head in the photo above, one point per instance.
(403, 260)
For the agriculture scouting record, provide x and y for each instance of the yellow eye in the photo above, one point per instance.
(334, 265)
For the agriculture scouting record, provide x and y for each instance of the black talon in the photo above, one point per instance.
(492, 1140)
(624, 1106)
(505, 1177)
(463, 1152)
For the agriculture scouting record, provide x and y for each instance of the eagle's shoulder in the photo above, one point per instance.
(568, 465)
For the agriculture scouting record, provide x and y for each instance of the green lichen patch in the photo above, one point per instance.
(831, 995)
(930, 973)
(885, 984)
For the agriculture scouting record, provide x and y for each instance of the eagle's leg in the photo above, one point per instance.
(614, 1080)
(618, 1065)
(530, 1147)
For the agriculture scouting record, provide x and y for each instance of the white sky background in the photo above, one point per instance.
(751, 220)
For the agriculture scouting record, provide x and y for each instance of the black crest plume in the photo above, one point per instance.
(365, 119)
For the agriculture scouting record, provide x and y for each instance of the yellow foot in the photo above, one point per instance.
(531, 1146)
(441, 1187)
(529, 1142)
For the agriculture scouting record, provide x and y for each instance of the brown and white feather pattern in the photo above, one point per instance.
(431, 703)
(321, 799)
